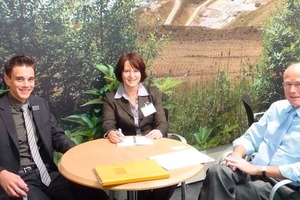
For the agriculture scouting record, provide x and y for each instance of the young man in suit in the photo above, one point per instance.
(27, 142)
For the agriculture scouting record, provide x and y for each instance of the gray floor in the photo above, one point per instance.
(191, 193)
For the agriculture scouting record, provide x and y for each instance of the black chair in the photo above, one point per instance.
(251, 115)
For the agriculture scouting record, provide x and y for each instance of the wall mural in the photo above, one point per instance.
(200, 42)
(67, 39)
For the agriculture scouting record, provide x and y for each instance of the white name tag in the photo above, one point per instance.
(148, 109)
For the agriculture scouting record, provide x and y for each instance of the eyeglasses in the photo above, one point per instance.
(289, 85)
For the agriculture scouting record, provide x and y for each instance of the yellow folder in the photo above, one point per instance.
(120, 173)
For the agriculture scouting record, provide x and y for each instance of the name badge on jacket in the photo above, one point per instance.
(148, 109)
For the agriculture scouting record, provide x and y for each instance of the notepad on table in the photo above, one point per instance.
(135, 141)
(144, 170)
(181, 158)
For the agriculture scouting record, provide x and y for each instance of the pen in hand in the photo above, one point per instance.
(121, 138)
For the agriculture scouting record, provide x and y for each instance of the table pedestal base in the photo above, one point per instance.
(131, 195)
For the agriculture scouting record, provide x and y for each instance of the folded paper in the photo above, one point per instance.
(181, 158)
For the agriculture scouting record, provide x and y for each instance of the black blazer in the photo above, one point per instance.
(117, 114)
(51, 136)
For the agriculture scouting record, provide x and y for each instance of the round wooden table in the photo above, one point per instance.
(78, 163)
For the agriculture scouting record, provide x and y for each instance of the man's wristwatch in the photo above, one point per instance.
(264, 171)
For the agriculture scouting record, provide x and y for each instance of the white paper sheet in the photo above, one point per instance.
(135, 141)
(181, 158)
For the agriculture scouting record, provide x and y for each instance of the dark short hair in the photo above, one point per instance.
(18, 61)
(135, 61)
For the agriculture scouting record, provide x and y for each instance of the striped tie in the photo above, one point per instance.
(33, 146)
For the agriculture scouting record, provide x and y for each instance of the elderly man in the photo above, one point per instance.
(276, 139)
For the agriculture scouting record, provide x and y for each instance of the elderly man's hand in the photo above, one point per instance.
(236, 162)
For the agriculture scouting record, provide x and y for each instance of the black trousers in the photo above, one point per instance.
(59, 189)
(223, 183)
(157, 194)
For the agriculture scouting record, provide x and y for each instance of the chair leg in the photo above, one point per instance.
(183, 186)
(132, 195)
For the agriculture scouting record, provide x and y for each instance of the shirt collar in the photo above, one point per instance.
(15, 103)
(298, 111)
(121, 92)
(290, 107)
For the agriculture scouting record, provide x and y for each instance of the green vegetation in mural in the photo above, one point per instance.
(75, 44)
(68, 38)
(281, 44)
(211, 114)
(217, 105)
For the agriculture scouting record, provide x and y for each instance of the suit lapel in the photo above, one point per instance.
(6, 115)
(124, 104)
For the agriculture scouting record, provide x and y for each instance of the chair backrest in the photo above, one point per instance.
(166, 114)
(174, 135)
(249, 108)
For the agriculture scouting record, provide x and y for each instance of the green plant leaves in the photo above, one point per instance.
(203, 139)
(92, 102)
(166, 85)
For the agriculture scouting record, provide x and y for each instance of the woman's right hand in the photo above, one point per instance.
(115, 136)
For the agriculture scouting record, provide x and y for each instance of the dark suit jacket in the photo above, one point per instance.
(50, 136)
(117, 114)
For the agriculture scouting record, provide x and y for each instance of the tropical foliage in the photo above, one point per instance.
(281, 43)
(68, 38)
(212, 113)
(77, 42)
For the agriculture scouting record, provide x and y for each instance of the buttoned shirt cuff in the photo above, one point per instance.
(290, 171)
(245, 143)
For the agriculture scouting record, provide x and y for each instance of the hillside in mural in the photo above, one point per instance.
(206, 36)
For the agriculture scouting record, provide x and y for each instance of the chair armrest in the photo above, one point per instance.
(179, 137)
(255, 115)
(224, 155)
(278, 185)
(227, 153)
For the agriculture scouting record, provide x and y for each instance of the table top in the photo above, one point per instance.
(78, 163)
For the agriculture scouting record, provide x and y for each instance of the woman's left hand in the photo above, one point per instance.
(154, 134)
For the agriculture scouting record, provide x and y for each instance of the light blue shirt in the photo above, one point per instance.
(287, 156)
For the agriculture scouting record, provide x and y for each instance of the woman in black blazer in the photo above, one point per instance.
(135, 109)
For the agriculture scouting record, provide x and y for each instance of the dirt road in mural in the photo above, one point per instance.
(197, 53)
